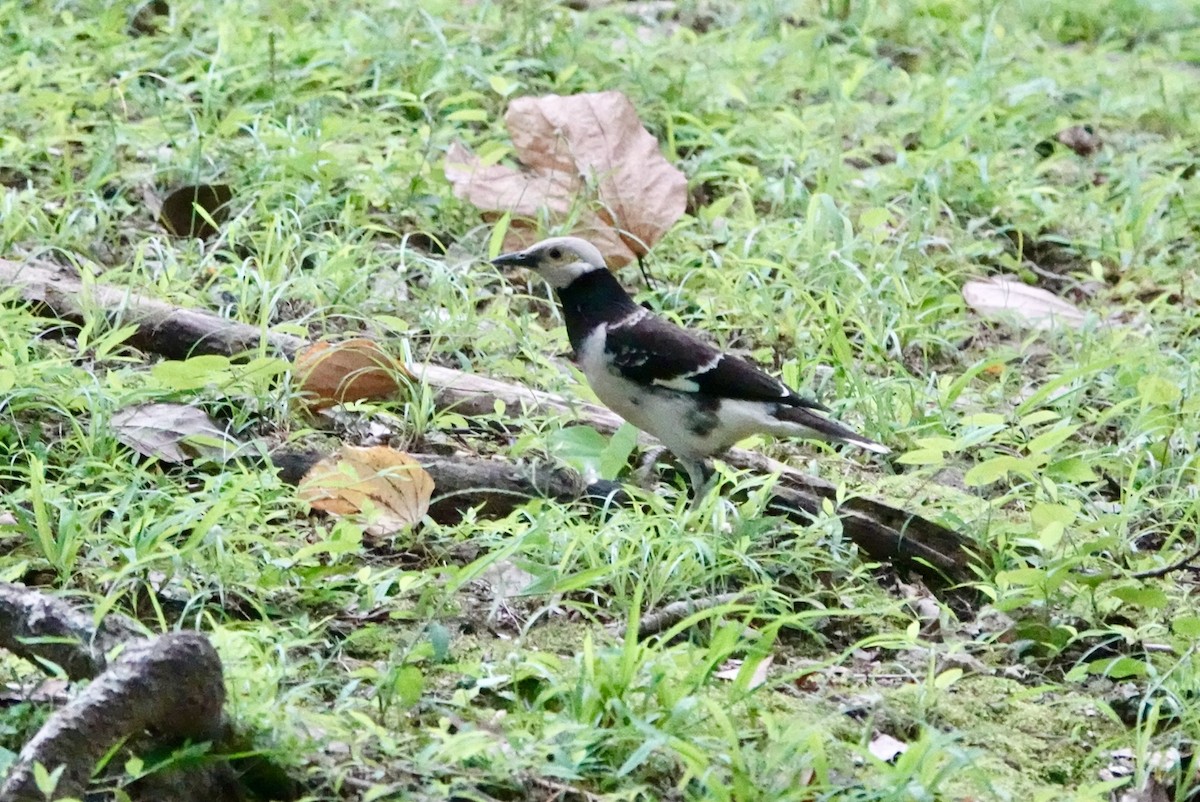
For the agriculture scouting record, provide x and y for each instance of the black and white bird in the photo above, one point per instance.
(663, 379)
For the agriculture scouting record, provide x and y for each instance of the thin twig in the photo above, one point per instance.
(561, 790)
(1181, 565)
(666, 617)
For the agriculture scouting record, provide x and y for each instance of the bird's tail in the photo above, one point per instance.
(821, 427)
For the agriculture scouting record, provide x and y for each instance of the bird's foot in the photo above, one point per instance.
(643, 474)
(702, 478)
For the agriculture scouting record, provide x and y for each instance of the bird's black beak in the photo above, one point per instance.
(514, 259)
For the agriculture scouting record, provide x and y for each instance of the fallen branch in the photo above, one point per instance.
(882, 531)
(45, 630)
(652, 623)
(1178, 565)
(172, 683)
(171, 686)
(492, 487)
(495, 488)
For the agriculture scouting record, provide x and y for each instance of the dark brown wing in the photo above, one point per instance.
(655, 352)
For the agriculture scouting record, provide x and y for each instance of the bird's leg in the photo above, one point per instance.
(643, 475)
(701, 477)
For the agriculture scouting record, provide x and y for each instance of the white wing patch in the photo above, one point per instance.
(683, 382)
(680, 383)
(707, 366)
(632, 319)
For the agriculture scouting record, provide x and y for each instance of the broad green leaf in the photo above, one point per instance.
(1044, 514)
(1157, 391)
(192, 374)
(993, 470)
(503, 86)
(923, 456)
(615, 455)
(581, 447)
(407, 684)
(1051, 535)
(1047, 441)
(1119, 667)
(1073, 469)
(1028, 577)
(468, 116)
(1146, 596)
(439, 638)
(874, 217)
(1187, 626)
(947, 678)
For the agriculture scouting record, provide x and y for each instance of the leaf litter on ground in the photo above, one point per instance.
(197, 210)
(327, 374)
(172, 433)
(586, 160)
(387, 487)
(1012, 301)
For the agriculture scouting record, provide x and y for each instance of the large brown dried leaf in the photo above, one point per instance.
(197, 210)
(1011, 300)
(586, 152)
(388, 486)
(171, 432)
(354, 370)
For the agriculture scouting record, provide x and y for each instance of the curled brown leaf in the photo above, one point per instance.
(171, 432)
(586, 160)
(388, 486)
(354, 370)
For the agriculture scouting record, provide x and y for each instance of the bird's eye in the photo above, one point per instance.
(555, 253)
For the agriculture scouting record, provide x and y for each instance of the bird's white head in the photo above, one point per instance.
(559, 260)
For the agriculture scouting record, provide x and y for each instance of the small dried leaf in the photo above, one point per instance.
(732, 668)
(1151, 790)
(588, 154)
(171, 432)
(729, 669)
(887, 748)
(387, 486)
(355, 370)
(1037, 308)
(506, 580)
(148, 17)
(181, 211)
(1081, 139)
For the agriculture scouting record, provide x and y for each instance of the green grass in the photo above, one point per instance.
(851, 165)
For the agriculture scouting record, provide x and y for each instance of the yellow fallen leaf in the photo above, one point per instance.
(387, 486)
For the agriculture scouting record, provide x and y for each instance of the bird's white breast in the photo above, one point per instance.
(667, 414)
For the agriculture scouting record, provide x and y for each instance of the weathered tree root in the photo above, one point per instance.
(44, 630)
(492, 487)
(939, 554)
(171, 685)
(496, 488)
